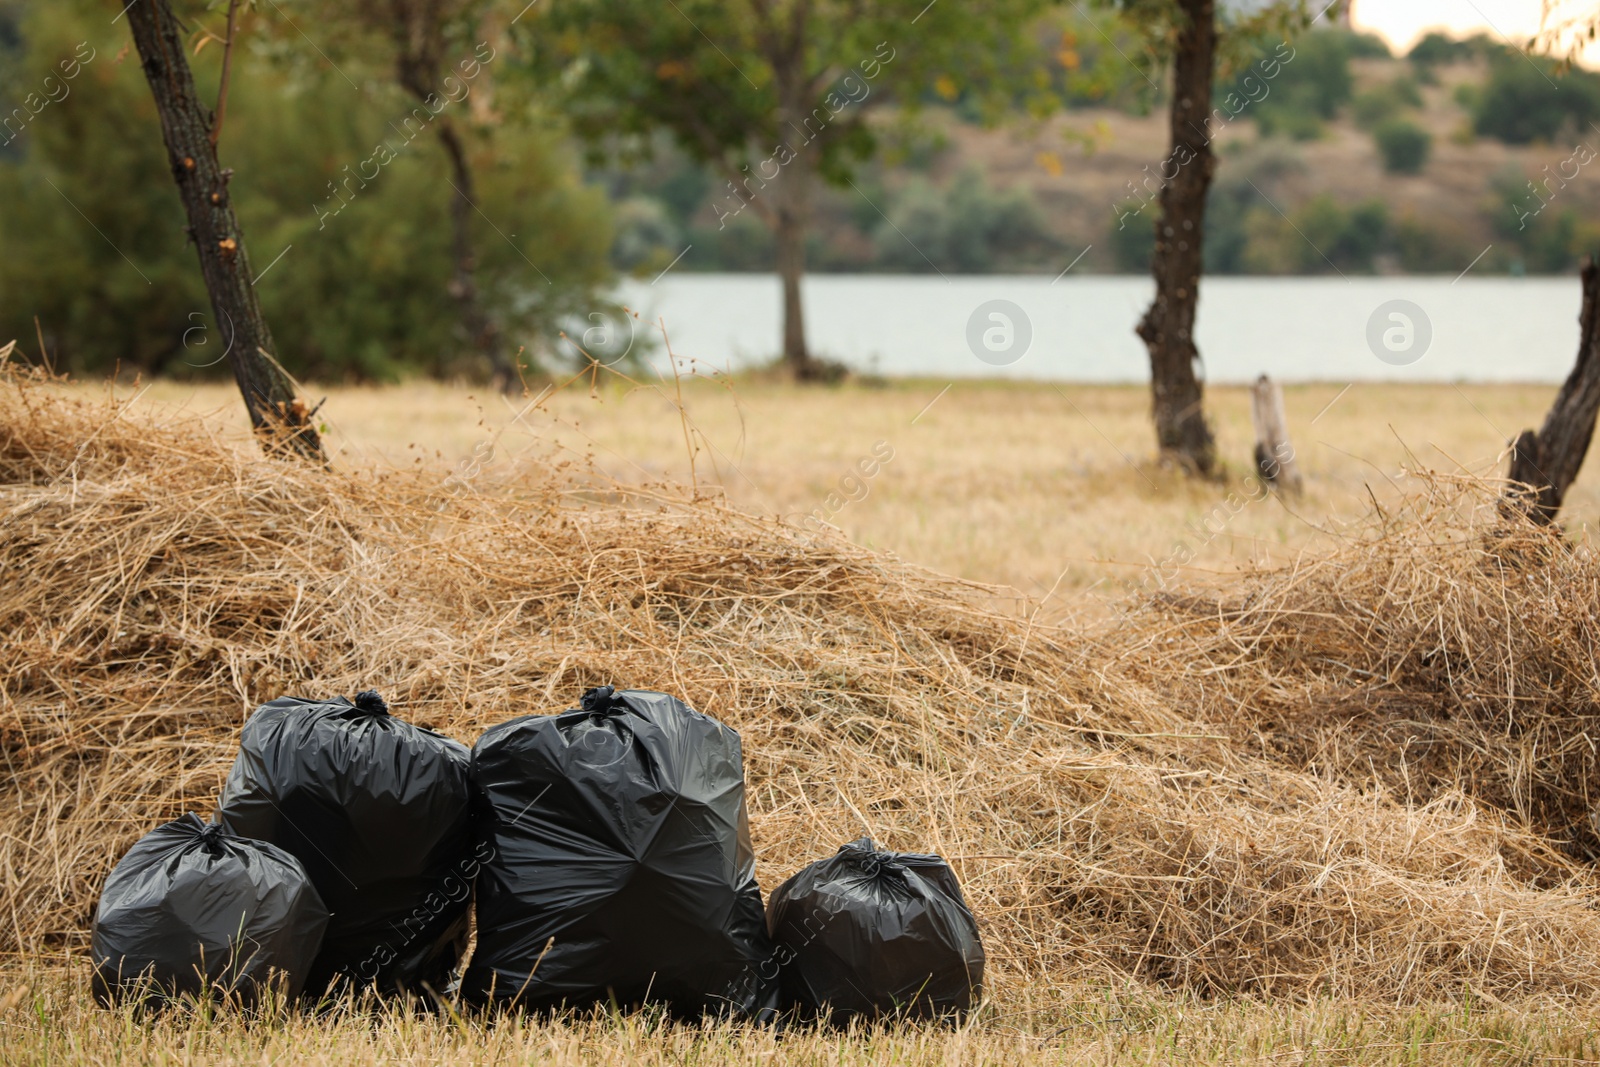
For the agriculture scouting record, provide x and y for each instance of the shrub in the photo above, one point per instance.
(1312, 87)
(362, 295)
(1289, 119)
(1548, 239)
(1350, 237)
(968, 227)
(1384, 102)
(1365, 46)
(646, 238)
(1246, 174)
(1404, 145)
(1322, 237)
(1526, 100)
(1133, 240)
(1437, 49)
(1425, 246)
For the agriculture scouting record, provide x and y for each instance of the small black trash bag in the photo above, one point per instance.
(378, 811)
(193, 909)
(870, 933)
(621, 868)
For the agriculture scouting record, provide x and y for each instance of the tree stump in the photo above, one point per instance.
(1274, 454)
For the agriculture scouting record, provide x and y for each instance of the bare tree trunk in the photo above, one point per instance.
(1168, 326)
(791, 214)
(482, 331)
(280, 419)
(1547, 462)
(790, 238)
(417, 28)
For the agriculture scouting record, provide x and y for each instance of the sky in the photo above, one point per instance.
(1401, 22)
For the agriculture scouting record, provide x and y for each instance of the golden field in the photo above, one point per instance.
(1194, 832)
(1033, 486)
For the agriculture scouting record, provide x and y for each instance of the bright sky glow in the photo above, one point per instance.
(1402, 22)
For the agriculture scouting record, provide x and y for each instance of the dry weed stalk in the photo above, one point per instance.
(1112, 799)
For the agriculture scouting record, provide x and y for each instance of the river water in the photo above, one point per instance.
(1081, 328)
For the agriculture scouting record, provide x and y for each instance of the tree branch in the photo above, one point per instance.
(227, 69)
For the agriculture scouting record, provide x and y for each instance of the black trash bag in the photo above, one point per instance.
(873, 933)
(379, 812)
(619, 865)
(192, 909)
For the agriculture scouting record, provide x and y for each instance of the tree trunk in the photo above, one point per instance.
(482, 332)
(1547, 462)
(1168, 326)
(280, 419)
(790, 215)
(790, 238)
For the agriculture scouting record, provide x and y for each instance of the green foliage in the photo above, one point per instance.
(1557, 241)
(1549, 236)
(1350, 237)
(1290, 119)
(360, 294)
(1320, 237)
(647, 238)
(914, 145)
(1437, 49)
(1312, 88)
(1133, 238)
(967, 228)
(1023, 74)
(1246, 176)
(706, 72)
(742, 244)
(1088, 61)
(1245, 234)
(1367, 46)
(1424, 247)
(1528, 99)
(1384, 102)
(1403, 144)
(83, 189)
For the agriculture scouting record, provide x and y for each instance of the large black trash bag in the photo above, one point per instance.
(192, 909)
(619, 865)
(379, 811)
(873, 933)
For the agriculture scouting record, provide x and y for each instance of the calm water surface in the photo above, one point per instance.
(1296, 329)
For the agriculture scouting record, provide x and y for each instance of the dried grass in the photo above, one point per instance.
(1434, 651)
(1149, 801)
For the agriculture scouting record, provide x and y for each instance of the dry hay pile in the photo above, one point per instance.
(160, 582)
(1437, 650)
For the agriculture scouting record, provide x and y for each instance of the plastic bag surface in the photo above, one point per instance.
(193, 908)
(379, 813)
(619, 865)
(867, 932)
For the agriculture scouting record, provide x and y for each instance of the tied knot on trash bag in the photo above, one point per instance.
(599, 700)
(211, 838)
(871, 860)
(370, 702)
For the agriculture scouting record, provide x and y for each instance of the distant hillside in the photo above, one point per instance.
(1355, 162)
